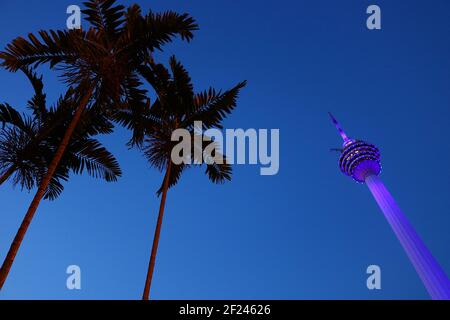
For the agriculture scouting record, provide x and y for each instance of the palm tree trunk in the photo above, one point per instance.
(7, 174)
(7, 263)
(151, 265)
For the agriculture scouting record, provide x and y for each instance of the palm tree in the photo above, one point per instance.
(99, 63)
(27, 143)
(176, 107)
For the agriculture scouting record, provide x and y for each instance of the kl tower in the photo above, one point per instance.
(361, 161)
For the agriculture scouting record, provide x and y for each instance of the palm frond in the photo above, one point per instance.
(105, 16)
(55, 47)
(157, 148)
(38, 102)
(55, 187)
(14, 153)
(161, 28)
(219, 173)
(212, 107)
(91, 156)
(176, 172)
(157, 76)
(93, 122)
(135, 111)
(217, 168)
(10, 116)
(183, 88)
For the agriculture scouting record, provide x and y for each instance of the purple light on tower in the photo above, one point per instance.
(361, 161)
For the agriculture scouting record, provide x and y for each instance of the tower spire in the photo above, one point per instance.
(340, 130)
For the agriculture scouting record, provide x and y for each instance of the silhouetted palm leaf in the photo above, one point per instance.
(211, 107)
(105, 16)
(38, 102)
(28, 144)
(9, 115)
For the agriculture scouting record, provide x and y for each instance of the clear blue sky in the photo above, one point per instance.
(306, 233)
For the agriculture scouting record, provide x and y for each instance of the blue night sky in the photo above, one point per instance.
(308, 232)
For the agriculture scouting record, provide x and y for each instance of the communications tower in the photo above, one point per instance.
(362, 161)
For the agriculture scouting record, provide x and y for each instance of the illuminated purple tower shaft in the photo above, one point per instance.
(361, 161)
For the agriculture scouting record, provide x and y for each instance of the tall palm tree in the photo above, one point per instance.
(100, 63)
(27, 143)
(176, 107)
